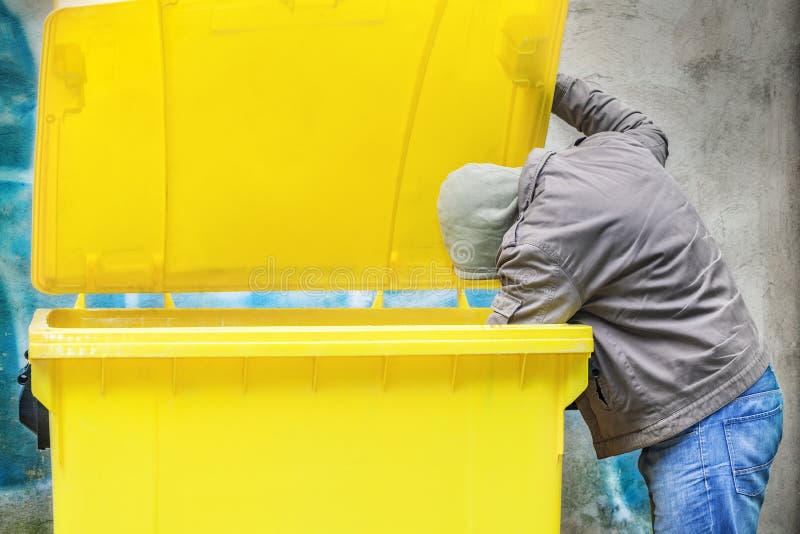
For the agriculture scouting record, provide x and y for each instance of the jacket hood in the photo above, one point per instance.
(477, 205)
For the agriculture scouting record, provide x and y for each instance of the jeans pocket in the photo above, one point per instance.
(753, 441)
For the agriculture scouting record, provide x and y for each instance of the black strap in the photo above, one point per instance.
(32, 413)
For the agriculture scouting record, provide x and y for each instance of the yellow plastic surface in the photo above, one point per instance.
(201, 145)
(335, 421)
(197, 145)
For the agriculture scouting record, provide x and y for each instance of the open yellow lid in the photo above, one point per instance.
(228, 145)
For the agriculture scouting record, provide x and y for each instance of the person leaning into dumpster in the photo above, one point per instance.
(600, 234)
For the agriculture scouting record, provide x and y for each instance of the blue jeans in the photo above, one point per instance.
(711, 477)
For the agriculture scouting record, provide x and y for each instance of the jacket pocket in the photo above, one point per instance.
(599, 391)
(753, 441)
(503, 308)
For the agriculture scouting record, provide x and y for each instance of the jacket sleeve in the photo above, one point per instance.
(535, 289)
(591, 111)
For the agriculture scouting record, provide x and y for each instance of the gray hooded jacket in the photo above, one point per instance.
(604, 237)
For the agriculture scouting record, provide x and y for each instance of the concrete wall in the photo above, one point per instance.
(722, 78)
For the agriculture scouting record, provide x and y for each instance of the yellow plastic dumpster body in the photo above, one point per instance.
(251, 145)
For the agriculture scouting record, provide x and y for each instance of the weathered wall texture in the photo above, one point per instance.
(723, 80)
(721, 77)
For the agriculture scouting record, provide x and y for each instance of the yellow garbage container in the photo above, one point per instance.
(210, 145)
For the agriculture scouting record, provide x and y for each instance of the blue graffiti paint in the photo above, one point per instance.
(633, 489)
(481, 298)
(17, 92)
(419, 299)
(21, 462)
(10, 471)
(625, 495)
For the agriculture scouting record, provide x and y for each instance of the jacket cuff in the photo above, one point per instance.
(563, 83)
